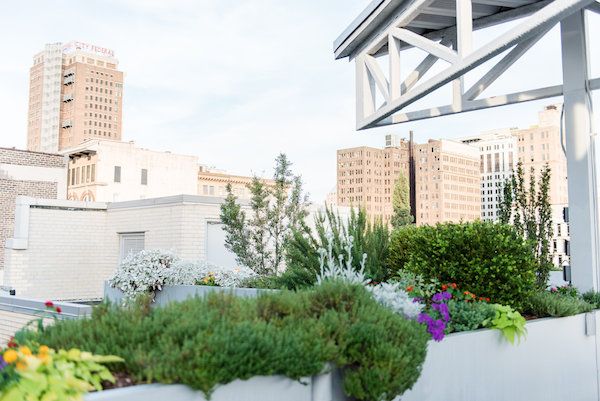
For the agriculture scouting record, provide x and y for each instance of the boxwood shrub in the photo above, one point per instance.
(489, 259)
(204, 342)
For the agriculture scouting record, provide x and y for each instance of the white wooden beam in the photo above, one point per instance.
(538, 22)
(378, 76)
(365, 91)
(594, 7)
(394, 58)
(494, 73)
(427, 45)
(422, 69)
(463, 44)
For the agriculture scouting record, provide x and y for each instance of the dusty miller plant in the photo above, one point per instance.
(390, 295)
(150, 270)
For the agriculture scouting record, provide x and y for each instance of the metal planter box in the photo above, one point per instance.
(324, 387)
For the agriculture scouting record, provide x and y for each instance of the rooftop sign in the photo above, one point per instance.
(88, 48)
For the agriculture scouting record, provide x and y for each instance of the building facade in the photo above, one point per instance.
(366, 177)
(75, 94)
(447, 181)
(40, 175)
(498, 160)
(213, 182)
(110, 171)
(541, 145)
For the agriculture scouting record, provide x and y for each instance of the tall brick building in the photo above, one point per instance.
(75, 94)
(444, 177)
(35, 174)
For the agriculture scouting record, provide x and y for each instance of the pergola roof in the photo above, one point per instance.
(432, 21)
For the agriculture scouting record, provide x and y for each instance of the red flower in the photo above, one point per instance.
(410, 288)
(11, 343)
(444, 287)
(58, 309)
(453, 285)
(49, 304)
(487, 300)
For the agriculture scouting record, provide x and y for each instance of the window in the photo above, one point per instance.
(144, 176)
(130, 243)
(117, 174)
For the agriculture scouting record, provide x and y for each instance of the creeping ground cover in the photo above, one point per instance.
(204, 342)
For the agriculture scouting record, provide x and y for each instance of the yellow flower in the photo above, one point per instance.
(21, 365)
(45, 359)
(25, 350)
(44, 350)
(10, 356)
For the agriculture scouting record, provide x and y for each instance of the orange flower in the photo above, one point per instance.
(453, 285)
(10, 356)
(410, 288)
(25, 350)
(21, 365)
(43, 350)
(466, 292)
(487, 300)
(444, 287)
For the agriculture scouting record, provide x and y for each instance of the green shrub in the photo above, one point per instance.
(488, 259)
(466, 316)
(546, 304)
(203, 342)
(302, 248)
(592, 297)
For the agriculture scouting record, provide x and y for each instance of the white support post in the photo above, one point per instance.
(583, 201)
(395, 77)
(463, 45)
(365, 90)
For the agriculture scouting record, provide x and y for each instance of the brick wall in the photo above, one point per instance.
(28, 158)
(9, 190)
(27, 173)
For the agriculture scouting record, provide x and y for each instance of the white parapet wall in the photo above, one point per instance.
(18, 312)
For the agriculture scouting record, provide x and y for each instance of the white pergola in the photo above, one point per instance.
(444, 30)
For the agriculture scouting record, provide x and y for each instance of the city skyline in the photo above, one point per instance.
(193, 97)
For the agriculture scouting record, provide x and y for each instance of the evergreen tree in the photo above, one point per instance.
(527, 207)
(401, 203)
(258, 241)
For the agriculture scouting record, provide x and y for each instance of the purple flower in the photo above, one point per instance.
(435, 327)
(441, 296)
(443, 309)
(3, 364)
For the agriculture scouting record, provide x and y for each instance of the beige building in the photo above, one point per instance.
(539, 145)
(75, 94)
(213, 182)
(102, 170)
(366, 177)
(447, 182)
(446, 179)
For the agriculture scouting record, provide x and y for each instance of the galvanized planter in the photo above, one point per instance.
(324, 387)
(175, 293)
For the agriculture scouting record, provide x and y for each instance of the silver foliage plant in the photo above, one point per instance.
(390, 295)
(150, 270)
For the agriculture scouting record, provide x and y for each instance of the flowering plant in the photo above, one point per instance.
(390, 295)
(39, 373)
(566, 289)
(437, 316)
(204, 273)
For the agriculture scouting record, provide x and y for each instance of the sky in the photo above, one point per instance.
(235, 82)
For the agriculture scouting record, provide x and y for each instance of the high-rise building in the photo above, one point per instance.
(498, 160)
(75, 94)
(445, 186)
(541, 145)
(366, 177)
(447, 181)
